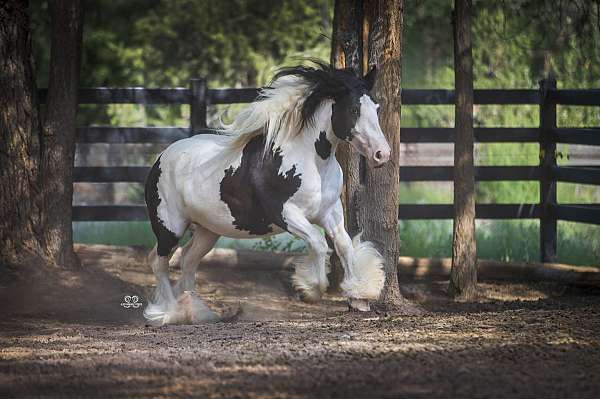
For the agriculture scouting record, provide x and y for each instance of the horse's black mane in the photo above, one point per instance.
(325, 82)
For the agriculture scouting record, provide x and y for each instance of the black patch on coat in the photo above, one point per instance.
(165, 238)
(323, 146)
(344, 115)
(255, 192)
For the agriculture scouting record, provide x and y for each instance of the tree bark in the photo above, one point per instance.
(59, 133)
(20, 129)
(346, 52)
(463, 277)
(36, 159)
(379, 210)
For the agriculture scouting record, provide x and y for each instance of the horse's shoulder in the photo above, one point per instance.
(256, 189)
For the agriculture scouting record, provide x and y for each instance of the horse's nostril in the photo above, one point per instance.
(378, 156)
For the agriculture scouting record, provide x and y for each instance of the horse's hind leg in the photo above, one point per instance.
(190, 308)
(201, 242)
(162, 298)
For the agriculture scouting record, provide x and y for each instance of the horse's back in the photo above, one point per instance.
(201, 146)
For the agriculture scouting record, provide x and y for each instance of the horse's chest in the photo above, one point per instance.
(320, 190)
(255, 191)
(331, 187)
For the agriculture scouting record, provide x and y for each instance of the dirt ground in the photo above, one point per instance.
(67, 335)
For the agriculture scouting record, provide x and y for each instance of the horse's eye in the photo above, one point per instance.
(354, 110)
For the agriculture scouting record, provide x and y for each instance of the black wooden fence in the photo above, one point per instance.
(547, 173)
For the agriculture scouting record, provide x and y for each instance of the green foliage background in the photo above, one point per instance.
(239, 43)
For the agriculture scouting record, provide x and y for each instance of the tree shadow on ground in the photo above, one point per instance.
(497, 296)
(89, 295)
(390, 366)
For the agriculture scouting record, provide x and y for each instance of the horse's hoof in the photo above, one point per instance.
(191, 310)
(231, 313)
(310, 295)
(361, 305)
(188, 309)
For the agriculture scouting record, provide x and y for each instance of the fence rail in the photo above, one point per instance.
(198, 96)
(584, 213)
(182, 95)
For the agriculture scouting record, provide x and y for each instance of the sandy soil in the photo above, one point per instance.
(66, 335)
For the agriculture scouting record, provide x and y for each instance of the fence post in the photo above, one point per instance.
(198, 105)
(548, 234)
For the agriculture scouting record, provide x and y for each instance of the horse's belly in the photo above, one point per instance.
(231, 232)
(223, 226)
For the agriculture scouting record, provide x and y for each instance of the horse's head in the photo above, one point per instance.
(354, 119)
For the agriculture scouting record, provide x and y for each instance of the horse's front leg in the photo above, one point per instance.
(362, 263)
(310, 275)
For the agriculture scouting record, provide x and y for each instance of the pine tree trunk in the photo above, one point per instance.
(346, 52)
(20, 130)
(59, 133)
(379, 207)
(463, 276)
(36, 161)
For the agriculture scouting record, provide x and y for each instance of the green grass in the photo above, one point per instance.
(505, 240)
(114, 233)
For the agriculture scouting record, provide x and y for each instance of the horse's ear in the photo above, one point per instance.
(369, 78)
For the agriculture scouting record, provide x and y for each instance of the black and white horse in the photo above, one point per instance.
(272, 170)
